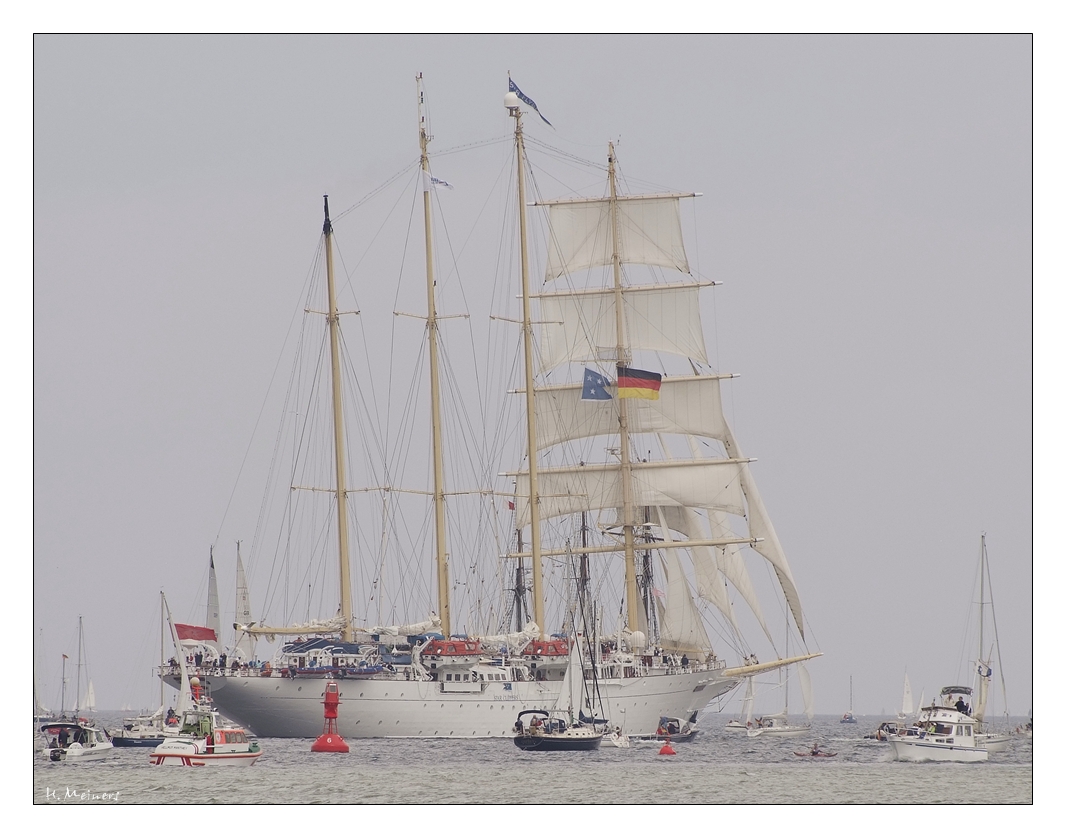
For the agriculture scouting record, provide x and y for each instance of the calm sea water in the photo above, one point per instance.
(720, 766)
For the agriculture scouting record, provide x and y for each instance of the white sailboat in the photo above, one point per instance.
(77, 739)
(778, 725)
(906, 707)
(996, 741)
(419, 679)
(747, 708)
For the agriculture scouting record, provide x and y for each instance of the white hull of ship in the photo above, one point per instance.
(926, 751)
(285, 708)
(994, 743)
(81, 753)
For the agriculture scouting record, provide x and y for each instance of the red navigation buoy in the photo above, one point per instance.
(666, 750)
(330, 742)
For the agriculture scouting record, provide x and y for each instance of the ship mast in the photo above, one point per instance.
(443, 601)
(333, 318)
(511, 102)
(623, 358)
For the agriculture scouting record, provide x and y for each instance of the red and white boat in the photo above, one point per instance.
(206, 739)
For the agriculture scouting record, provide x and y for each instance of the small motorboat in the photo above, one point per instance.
(550, 731)
(673, 729)
(146, 731)
(205, 738)
(76, 741)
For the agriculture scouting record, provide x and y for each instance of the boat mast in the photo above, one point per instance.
(77, 694)
(622, 356)
(333, 318)
(511, 101)
(162, 659)
(443, 601)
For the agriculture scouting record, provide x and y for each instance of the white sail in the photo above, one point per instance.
(214, 615)
(185, 688)
(807, 691)
(88, 701)
(580, 326)
(907, 707)
(648, 229)
(690, 404)
(243, 614)
(747, 707)
(566, 490)
(761, 527)
(710, 561)
(681, 627)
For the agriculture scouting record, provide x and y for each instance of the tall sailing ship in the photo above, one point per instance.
(642, 461)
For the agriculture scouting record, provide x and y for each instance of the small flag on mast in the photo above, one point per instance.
(511, 86)
(638, 384)
(430, 182)
(594, 388)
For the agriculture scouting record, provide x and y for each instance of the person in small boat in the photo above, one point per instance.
(64, 738)
(815, 751)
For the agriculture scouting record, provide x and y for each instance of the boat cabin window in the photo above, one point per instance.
(969, 730)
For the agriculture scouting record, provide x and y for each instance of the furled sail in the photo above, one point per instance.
(690, 404)
(432, 624)
(580, 326)
(648, 229)
(565, 490)
(514, 642)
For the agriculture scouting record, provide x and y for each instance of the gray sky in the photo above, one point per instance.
(867, 203)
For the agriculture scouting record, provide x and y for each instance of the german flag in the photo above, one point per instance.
(638, 384)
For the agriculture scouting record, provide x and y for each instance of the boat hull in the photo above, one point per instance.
(926, 751)
(558, 742)
(76, 753)
(278, 707)
(994, 743)
(137, 742)
(192, 754)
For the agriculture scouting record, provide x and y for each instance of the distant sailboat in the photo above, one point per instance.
(849, 717)
(907, 707)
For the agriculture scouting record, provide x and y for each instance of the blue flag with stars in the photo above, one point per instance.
(594, 388)
(513, 88)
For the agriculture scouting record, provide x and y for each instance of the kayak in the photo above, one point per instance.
(819, 754)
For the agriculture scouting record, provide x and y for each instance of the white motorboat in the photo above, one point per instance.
(75, 741)
(206, 739)
(778, 726)
(944, 732)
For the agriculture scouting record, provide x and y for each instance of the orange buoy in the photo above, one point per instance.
(330, 742)
(666, 750)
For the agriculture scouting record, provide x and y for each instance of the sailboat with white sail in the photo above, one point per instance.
(849, 717)
(995, 741)
(747, 708)
(906, 707)
(671, 518)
